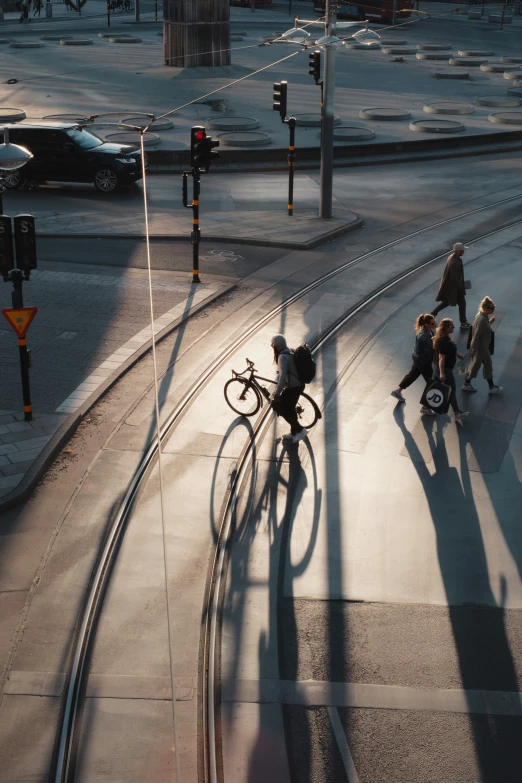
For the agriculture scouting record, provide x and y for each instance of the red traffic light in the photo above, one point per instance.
(199, 135)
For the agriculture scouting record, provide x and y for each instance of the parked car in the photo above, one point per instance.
(71, 153)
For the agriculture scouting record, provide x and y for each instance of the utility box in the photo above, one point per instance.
(48, 10)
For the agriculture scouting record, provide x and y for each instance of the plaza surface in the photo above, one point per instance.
(84, 80)
(372, 608)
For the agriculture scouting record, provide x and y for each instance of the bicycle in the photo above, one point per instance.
(245, 395)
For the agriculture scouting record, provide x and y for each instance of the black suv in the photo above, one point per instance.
(71, 153)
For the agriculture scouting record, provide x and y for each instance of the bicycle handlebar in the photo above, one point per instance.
(250, 363)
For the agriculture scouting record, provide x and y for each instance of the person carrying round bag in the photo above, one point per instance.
(447, 354)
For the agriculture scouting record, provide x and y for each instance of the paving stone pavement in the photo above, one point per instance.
(21, 442)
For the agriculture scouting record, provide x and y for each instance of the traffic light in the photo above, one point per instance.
(201, 148)
(6, 246)
(314, 61)
(280, 98)
(25, 243)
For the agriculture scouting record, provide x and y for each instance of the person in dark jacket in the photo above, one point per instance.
(479, 348)
(447, 355)
(422, 359)
(452, 290)
(288, 389)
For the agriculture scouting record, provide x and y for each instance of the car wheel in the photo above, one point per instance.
(106, 180)
(12, 179)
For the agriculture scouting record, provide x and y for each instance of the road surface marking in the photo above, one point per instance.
(342, 743)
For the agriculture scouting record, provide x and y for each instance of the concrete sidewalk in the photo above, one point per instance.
(233, 207)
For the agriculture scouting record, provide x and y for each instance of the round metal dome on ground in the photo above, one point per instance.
(434, 47)
(446, 107)
(232, 123)
(399, 49)
(146, 122)
(76, 42)
(473, 62)
(312, 120)
(129, 137)
(447, 74)
(125, 39)
(11, 115)
(66, 118)
(244, 139)
(500, 101)
(26, 45)
(384, 114)
(352, 133)
(436, 126)
(431, 55)
(506, 117)
(475, 53)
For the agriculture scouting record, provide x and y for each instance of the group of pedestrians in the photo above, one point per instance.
(24, 6)
(435, 352)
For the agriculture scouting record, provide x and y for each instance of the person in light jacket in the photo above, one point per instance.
(479, 348)
(422, 359)
(288, 390)
(452, 290)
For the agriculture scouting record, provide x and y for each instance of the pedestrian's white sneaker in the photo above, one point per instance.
(300, 435)
(427, 411)
(468, 387)
(398, 395)
(288, 436)
(496, 389)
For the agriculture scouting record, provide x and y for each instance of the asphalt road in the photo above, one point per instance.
(170, 255)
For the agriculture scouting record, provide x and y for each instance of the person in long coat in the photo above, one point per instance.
(452, 290)
(480, 348)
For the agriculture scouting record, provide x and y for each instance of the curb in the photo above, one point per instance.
(349, 154)
(64, 433)
(326, 236)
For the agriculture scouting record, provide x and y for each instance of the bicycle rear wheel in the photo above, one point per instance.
(307, 411)
(242, 397)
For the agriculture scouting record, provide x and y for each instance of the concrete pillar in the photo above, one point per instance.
(195, 33)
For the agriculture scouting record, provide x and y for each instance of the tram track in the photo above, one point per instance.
(68, 734)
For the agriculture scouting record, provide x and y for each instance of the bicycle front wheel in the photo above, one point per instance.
(307, 411)
(242, 397)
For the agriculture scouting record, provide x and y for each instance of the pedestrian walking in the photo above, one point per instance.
(447, 355)
(480, 348)
(452, 289)
(422, 359)
(289, 387)
(37, 7)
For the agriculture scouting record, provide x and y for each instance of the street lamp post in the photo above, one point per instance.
(327, 115)
(329, 43)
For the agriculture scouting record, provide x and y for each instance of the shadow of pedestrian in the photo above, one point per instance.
(477, 621)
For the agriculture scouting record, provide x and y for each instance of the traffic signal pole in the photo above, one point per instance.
(196, 233)
(201, 156)
(291, 164)
(327, 125)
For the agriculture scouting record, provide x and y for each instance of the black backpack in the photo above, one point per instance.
(304, 363)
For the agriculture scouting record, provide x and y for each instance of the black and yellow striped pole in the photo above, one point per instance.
(196, 234)
(291, 165)
(24, 368)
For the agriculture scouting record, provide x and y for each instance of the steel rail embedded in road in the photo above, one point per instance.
(67, 739)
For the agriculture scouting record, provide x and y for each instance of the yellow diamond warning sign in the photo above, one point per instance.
(20, 318)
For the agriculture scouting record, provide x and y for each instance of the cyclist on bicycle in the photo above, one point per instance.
(289, 387)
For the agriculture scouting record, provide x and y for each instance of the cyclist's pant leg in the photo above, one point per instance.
(287, 410)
